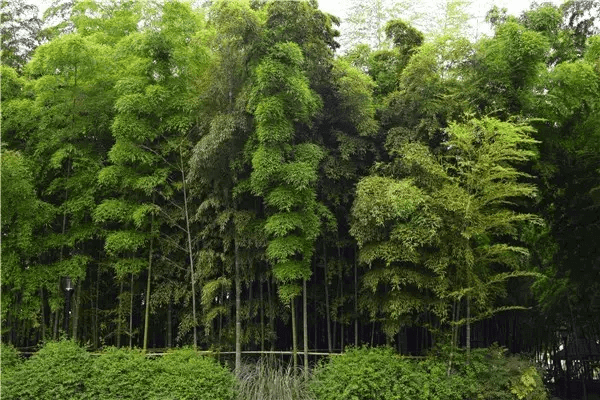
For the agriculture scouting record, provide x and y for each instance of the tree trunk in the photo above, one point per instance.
(66, 312)
(315, 314)
(468, 338)
(294, 336)
(96, 323)
(341, 332)
(55, 332)
(43, 314)
(262, 316)
(191, 254)
(131, 314)
(120, 313)
(147, 312)
(577, 352)
(271, 313)
(238, 305)
(221, 301)
(93, 321)
(355, 296)
(170, 323)
(372, 333)
(453, 338)
(327, 310)
(76, 308)
(341, 278)
(305, 327)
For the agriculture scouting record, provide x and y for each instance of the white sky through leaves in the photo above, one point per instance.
(340, 8)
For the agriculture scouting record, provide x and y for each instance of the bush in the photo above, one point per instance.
(186, 375)
(271, 380)
(380, 374)
(488, 375)
(120, 373)
(10, 358)
(58, 371)
(368, 374)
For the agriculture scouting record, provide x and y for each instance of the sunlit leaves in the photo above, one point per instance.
(266, 163)
(285, 173)
(125, 241)
(452, 215)
(380, 201)
(22, 211)
(571, 88)
(285, 247)
(283, 223)
(355, 91)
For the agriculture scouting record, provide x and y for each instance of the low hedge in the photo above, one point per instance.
(183, 374)
(380, 374)
(57, 371)
(369, 374)
(63, 370)
(120, 373)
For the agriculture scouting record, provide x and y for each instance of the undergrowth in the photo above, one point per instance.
(271, 379)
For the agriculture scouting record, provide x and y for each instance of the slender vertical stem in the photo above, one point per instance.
(577, 352)
(238, 305)
(271, 314)
(120, 314)
(327, 310)
(42, 314)
(131, 313)
(315, 315)
(190, 253)
(170, 323)
(305, 326)
(147, 313)
(93, 309)
(96, 323)
(67, 310)
(468, 339)
(294, 336)
(341, 283)
(372, 333)
(221, 301)
(453, 338)
(55, 331)
(262, 316)
(355, 296)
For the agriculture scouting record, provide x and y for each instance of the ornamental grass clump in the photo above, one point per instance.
(269, 379)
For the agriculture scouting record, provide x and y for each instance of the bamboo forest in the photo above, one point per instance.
(197, 197)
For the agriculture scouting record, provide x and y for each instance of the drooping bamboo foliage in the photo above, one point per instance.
(196, 171)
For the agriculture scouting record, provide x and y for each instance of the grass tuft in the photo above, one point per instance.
(270, 379)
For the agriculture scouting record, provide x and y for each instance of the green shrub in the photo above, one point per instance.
(10, 358)
(120, 373)
(488, 375)
(272, 380)
(186, 375)
(380, 374)
(58, 371)
(368, 374)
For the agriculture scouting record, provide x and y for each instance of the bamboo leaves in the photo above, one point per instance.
(450, 216)
(284, 171)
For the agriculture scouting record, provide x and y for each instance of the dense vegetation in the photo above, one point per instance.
(62, 370)
(220, 178)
